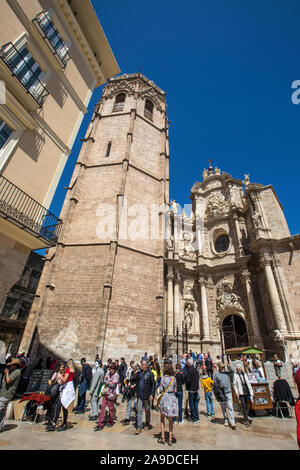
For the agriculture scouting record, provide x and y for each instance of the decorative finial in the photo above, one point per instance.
(210, 168)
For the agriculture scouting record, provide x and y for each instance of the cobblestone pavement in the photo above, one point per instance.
(265, 433)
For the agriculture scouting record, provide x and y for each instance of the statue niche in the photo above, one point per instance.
(190, 308)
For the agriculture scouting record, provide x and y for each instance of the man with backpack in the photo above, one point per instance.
(84, 384)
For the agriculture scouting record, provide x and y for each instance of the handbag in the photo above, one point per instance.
(52, 390)
(161, 394)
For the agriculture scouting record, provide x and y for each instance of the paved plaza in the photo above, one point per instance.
(266, 433)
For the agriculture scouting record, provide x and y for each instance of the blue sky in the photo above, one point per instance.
(227, 67)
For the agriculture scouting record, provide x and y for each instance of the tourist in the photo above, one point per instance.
(200, 358)
(96, 384)
(168, 402)
(10, 381)
(257, 368)
(48, 362)
(130, 397)
(39, 364)
(54, 384)
(109, 397)
(297, 405)
(182, 362)
(192, 386)
(145, 357)
(206, 384)
(155, 369)
(185, 391)
(84, 384)
(107, 366)
(277, 366)
(122, 372)
(223, 393)
(66, 397)
(179, 394)
(53, 364)
(209, 365)
(128, 372)
(145, 390)
(244, 392)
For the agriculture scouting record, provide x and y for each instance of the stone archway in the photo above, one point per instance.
(234, 332)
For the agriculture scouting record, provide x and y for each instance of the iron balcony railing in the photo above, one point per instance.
(19, 68)
(19, 207)
(51, 36)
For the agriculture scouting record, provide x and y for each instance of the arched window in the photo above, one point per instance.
(148, 113)
(119, 102)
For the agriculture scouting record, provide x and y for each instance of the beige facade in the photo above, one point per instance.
(53, 54)
(233, 269)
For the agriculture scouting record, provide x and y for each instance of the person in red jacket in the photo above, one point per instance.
(297, 406)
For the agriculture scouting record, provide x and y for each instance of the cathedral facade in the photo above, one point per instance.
(233, 269)
(132, 272)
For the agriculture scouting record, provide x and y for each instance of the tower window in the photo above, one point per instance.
(108, 150)
(148, 113)
(119, 102)
(222, 243)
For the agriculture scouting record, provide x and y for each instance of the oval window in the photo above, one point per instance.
(222, 243)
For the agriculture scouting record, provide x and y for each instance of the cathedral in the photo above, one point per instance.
(133, 272)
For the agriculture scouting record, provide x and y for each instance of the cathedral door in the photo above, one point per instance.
(234, 332)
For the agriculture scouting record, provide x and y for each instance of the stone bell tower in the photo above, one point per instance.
(101, 291)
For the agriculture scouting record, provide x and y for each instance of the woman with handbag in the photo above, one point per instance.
(168, 402)
(66, 397)
(53, 389)
(109, 397)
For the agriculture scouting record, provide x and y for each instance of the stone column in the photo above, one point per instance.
(170, 320)
(176, 301)
(252, 307)
(273, 293)
(204, 308)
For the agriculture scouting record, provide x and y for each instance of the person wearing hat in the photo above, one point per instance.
(97, 382)
(222, 382)
(10, 381)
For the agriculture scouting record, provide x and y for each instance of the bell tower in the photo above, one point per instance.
(101, 291)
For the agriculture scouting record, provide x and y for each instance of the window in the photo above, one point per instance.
(119, 102)
(222, 243)
(48, 30)
(108, 150)
(22, 64)
(148, 113)
(5, 133)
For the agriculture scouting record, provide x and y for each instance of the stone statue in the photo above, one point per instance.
(174, 206)
(246, 181)
(204, 173)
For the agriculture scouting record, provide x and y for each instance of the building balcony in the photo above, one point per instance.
(52, 38)
(26, 79)
(30, 222)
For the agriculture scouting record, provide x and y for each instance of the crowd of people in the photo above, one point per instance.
(171, 388)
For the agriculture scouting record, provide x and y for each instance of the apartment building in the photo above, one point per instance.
(53, 53)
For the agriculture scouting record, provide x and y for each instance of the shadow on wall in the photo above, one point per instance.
(32, 143)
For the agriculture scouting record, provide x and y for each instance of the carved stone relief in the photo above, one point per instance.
(227, 302)
(217, 206)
